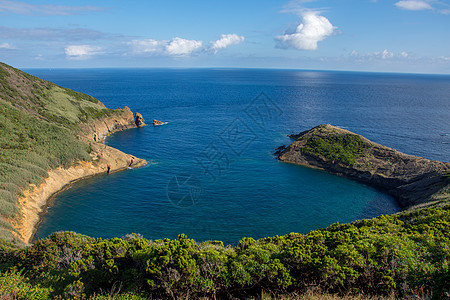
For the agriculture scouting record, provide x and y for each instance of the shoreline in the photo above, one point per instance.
(50, 199)
(410, 180)
(105, 159)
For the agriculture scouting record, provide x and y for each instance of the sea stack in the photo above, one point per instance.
(139, 120)
(156, 123)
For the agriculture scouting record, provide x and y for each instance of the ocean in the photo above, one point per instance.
(212, 174)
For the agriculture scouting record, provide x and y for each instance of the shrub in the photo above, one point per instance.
(343, 148)
(388, 256)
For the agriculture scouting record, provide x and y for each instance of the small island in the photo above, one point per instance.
(410, 179)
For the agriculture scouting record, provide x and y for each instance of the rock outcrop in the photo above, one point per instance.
(139, 120)
(156, 123)
(410, 179)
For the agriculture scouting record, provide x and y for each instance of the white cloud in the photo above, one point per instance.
(313, 29)
(81, 51)
(404, 54)
(379, 55)
(413, 5)
(7, 46)
(225, 41)
(22, 8)
(174, 47)
(179, 46)
(386, 54)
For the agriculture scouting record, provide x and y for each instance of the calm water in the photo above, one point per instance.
(212, 174)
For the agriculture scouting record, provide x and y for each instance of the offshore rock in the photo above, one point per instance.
(139, 120)
(156, 123)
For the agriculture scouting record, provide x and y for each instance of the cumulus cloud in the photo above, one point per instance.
(81, 51)
(225, 41)
(182, 47)
(22, 8)
(7, 46)
(179, 46)
(313, 29)
(174, 47)
(413, 5)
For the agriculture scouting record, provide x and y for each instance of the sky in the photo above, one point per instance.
(404, 36)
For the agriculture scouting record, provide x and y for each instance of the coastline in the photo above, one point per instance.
(105, 160)
(411, 180)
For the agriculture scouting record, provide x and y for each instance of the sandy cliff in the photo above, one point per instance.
(105, 159)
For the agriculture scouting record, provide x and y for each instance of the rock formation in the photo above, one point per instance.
(139, 120)
(156, 122)
(410, 179)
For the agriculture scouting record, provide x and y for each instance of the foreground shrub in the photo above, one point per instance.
(388, 256)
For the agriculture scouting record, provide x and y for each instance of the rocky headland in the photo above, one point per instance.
(410, 179)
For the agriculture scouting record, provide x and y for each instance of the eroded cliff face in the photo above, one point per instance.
(105, 160)
(410, 179)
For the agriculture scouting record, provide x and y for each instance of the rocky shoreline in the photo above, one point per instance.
(411, 180)
(105, 160)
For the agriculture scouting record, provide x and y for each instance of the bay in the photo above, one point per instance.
(212, 173)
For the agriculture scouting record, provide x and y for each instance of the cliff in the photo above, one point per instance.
(410, 179)
(105, 160)
(50, 137)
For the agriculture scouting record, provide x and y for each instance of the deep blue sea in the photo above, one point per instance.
(212, 173)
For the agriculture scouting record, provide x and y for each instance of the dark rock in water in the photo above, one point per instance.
(279, 150)
(156, 122)
(139, 120)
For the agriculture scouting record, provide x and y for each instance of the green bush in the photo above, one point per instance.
(344, 148)
(402, 255)
(15, 286)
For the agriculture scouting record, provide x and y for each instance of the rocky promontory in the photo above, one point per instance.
(410, 179)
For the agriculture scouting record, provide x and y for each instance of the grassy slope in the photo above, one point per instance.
(38, 131)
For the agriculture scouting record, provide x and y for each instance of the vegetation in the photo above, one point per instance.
(389, 256)
(397, 256)
(344, 148)
(39, 122)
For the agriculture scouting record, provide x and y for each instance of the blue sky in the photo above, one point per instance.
(361, 35)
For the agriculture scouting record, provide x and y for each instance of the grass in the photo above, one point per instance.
(344, 148)
(39, 122)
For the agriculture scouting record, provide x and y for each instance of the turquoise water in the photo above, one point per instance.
(212, 173)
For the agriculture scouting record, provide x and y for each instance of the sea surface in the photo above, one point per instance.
(212, 174)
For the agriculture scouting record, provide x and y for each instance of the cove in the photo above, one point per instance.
(249, 193)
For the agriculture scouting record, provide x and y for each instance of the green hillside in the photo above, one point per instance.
(39, 123)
